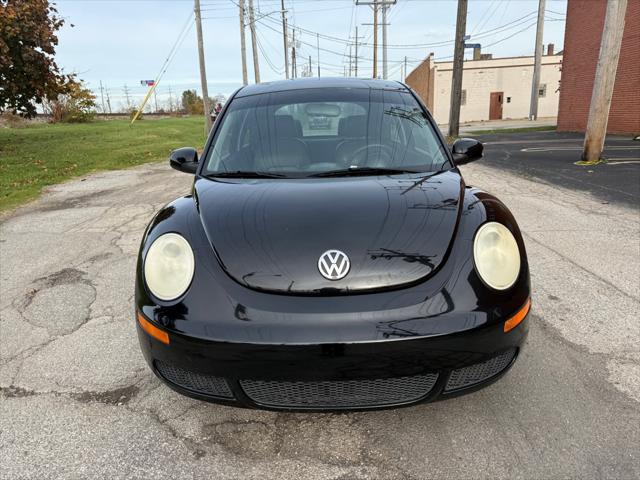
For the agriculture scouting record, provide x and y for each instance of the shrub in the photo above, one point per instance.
(11, 120)
(75, 105)
(132, 113)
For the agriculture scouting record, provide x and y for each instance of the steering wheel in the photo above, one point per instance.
(382, 159)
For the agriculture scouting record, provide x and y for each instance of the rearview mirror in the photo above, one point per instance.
(466, 150)
(184, 160)
(322, 110)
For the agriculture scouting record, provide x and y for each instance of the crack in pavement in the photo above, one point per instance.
(544, 408)
(581, 267)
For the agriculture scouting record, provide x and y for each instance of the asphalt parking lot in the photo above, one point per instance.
(552, 157)
(78, 401)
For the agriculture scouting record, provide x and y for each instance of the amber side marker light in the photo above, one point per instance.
(152, 330)
(518, 317)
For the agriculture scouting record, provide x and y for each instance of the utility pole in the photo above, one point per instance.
(535, 84)
(458, 65)
(254, 47)
(350, 60)
(384, 41)
(375, 4)
(355, 65)
(126, 94)
(203, 70)
(170, 99)
(294, 72)
(102, 96)
(155, 99)
(604, 80)
(310, 67)
(405, 69)
(375, 39)
(318, 46)
(108, 100)
(243, 45)
(284, 39)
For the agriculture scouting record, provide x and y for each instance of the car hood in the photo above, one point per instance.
(268, 234)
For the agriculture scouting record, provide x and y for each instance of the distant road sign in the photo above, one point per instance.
(471, 45)
(148, 83)
(466, 37)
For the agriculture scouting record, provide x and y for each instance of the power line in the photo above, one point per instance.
(524, 21)
(512, 35)
(504, 12)
(266, 57)
(172, 53)
(323, 49)
(507, 26)
(353, 10)
(482, 18)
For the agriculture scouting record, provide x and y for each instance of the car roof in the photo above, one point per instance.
(323, 82)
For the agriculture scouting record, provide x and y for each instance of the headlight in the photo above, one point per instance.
(168, 266)
(496, 255)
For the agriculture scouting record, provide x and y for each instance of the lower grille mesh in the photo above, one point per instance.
(197, 382)
(479, 372)
(339, 393)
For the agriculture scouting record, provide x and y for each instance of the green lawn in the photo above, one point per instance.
(45, 154)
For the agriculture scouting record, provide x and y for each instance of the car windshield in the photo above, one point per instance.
(324, 132)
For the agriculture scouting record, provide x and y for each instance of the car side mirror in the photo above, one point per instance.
(466, 150)
(184, 159)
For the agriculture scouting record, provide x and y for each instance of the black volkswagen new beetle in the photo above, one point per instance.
(330, 256)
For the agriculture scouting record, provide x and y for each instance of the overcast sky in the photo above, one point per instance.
(124, 41)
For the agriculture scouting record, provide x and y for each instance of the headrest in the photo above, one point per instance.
(285, 126)
(353, 126)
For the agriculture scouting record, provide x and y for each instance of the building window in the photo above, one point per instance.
(463, 98)
(542, 91)
(508, 99)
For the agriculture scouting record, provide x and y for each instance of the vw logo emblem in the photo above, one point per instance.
(334, 264)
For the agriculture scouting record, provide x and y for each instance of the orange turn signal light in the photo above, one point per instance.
(152, 330)
(514, 321)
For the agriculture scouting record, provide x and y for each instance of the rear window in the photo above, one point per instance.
(300, 132)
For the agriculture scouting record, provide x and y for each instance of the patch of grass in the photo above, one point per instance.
(543, 128)
(45, 154)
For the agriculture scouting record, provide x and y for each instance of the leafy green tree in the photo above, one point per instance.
(28, 72)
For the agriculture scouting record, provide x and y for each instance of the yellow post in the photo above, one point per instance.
(144, 102)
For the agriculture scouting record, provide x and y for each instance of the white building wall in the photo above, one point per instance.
(512, 76)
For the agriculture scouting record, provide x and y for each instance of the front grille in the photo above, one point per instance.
(464, 377)
(339, 393)
(196, 382)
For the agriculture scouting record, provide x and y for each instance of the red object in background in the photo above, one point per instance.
(583, 35)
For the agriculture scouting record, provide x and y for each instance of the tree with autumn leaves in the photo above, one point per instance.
(29, 75)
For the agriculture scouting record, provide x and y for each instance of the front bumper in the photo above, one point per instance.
(364, 375)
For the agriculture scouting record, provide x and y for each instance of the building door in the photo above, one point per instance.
(495, 107)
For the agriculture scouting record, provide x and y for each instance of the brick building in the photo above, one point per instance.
(583, 33)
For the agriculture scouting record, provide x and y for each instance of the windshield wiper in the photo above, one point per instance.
(244, 174)
(362, 171)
